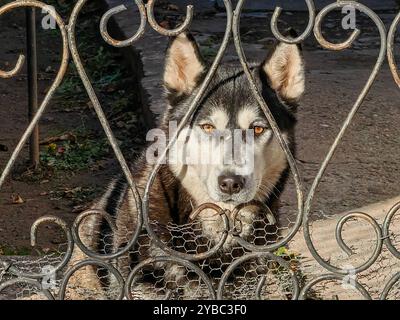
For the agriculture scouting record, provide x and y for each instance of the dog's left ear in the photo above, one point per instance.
(285, 71)
(184, 65)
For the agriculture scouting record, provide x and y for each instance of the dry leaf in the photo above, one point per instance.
(64, 137)
(16, 199)
(165, 24)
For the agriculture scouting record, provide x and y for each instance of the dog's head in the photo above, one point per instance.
(228, 152)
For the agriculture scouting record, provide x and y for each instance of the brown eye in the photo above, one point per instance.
(208, 128)
(258, 130)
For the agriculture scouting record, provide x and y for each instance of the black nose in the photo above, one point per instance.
(231, 184)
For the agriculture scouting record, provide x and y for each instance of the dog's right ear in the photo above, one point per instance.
(285, 70)
(184, 65)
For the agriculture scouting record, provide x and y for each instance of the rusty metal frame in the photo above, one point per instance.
(304, 200)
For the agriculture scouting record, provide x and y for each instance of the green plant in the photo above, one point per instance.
(9, 251)
(74, 155)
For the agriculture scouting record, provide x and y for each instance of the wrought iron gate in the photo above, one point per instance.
(260, 266)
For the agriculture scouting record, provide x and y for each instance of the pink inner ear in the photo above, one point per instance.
(183, 66)
(285, 70)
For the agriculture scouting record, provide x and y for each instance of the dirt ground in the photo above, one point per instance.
(75, 171)
(363, 171)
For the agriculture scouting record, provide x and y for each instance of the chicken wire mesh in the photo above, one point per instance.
(232, 272)
(263, 259)
(153, 279)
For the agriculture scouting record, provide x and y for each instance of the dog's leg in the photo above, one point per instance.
(85, 282)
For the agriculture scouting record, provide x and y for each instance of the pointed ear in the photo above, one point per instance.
(184, 65)
(285, 71)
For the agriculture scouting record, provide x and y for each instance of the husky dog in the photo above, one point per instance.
(228, 105)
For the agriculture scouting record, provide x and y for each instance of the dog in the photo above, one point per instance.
(228, 106)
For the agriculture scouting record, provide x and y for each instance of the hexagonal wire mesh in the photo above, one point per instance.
(152, 279)
(265, 262)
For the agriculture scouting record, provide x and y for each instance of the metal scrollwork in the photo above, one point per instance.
(356, 285)
(67, 256)
(271, 120)
(341, 46)
(304, 35)
(60, 75)
(113, 11)
(170, 33)
(192, 108)
(257, 257)
(390, 49)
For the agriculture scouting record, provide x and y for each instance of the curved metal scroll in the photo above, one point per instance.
(382, 234)
(307, 208)
(326, 277)
(168, 259)
(390, 49)
(304, 35)
(60, 75)
(192, 108)
(110, 136)
(67, 256)
(113, 11)
(174, 32)
(273, 124)
(261, 282)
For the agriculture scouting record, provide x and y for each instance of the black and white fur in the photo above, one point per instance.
(228, 104)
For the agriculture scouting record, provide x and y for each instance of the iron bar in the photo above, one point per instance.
(32, 71)
(356, 106)
(60, 75)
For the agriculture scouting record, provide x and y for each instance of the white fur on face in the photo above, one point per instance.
(201, 177)
(246, 116)
(219, 119)
(201, 181)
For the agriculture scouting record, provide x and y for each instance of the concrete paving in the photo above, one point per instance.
(361, 238)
